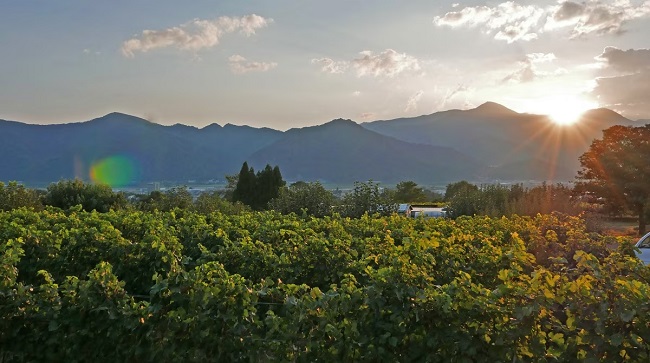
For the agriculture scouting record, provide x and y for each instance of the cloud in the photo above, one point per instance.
(450, 94)
(329, 65)
(511, 21)
(540, 57)
(412, 103)
(356, 93)
(194, 35)
(388, 63)
(507, 21)
(595, 16)
(528, 70)
(240, 65)
(630, 61)
(627, 92)
(568, 10)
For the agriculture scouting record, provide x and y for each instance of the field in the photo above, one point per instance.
(134, 286)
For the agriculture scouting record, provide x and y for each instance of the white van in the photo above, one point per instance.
(644, 249)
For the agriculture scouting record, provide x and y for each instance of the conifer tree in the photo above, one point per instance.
(256, 190)
(246, 184)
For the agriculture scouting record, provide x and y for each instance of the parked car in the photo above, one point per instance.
(644, 249)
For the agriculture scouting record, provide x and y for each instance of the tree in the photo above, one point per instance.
(616, 168)
(459, 187)
(210, 202)
(176, 197)
(257, 190)
(14, 195)
(310, 198)
(462, 198)
(245, 188)
(367, 198)
(231, 185)
(69, 193)
(409, 192)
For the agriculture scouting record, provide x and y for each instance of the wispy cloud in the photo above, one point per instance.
(528, 70)
(595, 16)
(241, 65)
(507, 21)
(511, 21)
(412, 103)
(451, 93)
(627, 92)
(329, 65)
(194, 35)
(388, 63)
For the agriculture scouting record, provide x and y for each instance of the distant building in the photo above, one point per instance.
(404, 210)
(427, 212)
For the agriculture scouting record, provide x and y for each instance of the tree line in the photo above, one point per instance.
(266, 190)
(614, 179)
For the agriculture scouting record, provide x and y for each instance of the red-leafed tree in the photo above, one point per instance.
(616, 168)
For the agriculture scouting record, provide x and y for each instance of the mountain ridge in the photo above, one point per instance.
(488, 142)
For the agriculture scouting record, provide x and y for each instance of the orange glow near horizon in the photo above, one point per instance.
(563, 110)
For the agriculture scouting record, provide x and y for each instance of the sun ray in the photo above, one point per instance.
(564, 109)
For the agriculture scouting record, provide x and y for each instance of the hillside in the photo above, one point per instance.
(343, 151)
(490, 142)
(508, 143)
(44, 153)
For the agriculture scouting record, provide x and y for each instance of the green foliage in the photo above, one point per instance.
(462, 198)
(176, 197)
(409, 192)
(304, 198)
(245, 188)
(543, 199)
(210, 202)
(266, 287)
(257, 190)
(14, 195)
(69, 193)
(367, 198)
(493, 200)
(615, 168)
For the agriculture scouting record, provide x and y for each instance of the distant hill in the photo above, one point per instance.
(483, 144)
(45, 153)
(343, 151)
(511, 145)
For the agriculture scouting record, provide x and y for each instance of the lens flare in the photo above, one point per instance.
(115, 171)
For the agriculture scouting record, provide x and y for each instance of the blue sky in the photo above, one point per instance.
(283, 64)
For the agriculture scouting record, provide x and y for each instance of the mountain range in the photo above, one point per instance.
(490, 142)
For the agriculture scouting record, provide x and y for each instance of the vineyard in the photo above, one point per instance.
(133, 286)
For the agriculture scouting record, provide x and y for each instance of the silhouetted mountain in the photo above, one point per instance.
(44, 153)
(490, 141)
(512, 145)
(343, 151)
(493, 109)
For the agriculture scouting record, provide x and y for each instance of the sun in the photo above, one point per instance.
(564, 109)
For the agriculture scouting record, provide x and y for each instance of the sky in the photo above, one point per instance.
(296, 63)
